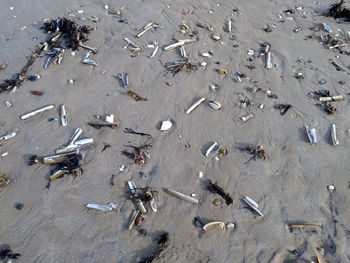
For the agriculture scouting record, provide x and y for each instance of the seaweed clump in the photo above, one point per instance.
(339, 10)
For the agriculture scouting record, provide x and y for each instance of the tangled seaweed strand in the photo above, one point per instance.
(140, 154)
(65, 34)
(163, 242)
(256, 151)
(338, 10)
(184, 65)
(214, 188)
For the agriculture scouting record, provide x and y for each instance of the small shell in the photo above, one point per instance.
(214, 104)
(166, 125)
(222, 71)
(215, 37)
(230, 225)
(2, 66)
(217, 202)
(205, 54)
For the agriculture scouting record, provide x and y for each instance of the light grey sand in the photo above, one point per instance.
(292, 184)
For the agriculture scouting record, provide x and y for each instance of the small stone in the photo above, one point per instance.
(19, 206)
(230, 225)
(217, 202)
(331, 187)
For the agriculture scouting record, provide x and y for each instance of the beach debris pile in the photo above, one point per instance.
(67, 158)
(140, 197)
(63, 34)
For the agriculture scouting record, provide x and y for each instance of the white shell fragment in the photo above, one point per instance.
(212, 149)
(166, 125)
(109, 118)
(215, 105)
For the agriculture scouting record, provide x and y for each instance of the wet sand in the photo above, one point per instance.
(54, 225)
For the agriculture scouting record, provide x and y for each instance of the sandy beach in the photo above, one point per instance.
(291, 185)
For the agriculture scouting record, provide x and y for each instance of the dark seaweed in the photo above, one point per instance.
(163, 242)
(337, 10)
(6, 252)
(283, 108)
(214, 188)
(129, 130)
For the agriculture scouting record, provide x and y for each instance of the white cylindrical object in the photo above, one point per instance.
(36, 112)
(63, 113)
